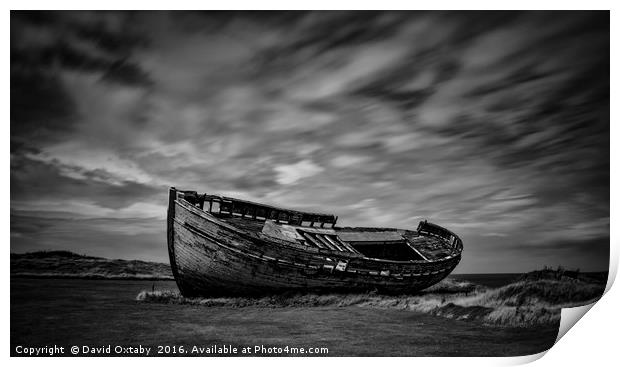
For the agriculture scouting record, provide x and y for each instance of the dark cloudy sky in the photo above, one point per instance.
(495, 125)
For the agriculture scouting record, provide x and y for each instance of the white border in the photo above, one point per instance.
(591, 342)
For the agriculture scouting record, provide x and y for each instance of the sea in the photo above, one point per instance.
(79, 317)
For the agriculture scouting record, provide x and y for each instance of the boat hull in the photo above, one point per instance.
(210, 258)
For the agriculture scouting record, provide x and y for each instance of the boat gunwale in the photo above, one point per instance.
(303, 248)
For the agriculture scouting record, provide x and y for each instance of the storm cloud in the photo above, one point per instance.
(493, 124)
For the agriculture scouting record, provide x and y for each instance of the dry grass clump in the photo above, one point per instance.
(451, 285)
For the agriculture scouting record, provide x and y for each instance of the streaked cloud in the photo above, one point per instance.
(291, 173)
(468, 119)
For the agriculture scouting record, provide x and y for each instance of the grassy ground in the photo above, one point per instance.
(100, 312)
(532, 299)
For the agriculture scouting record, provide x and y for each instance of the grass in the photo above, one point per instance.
(102, 312)
(531, 300)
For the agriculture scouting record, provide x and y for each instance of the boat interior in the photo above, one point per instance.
(320, 230)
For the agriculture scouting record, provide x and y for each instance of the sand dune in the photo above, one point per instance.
(65, 264)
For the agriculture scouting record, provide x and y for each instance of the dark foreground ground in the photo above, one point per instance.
(101, 313)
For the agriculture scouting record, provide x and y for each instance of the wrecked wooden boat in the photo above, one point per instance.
(224, 246)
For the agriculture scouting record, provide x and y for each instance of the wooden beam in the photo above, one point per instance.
(327, 237)
(320, 238)
(349, 247)
(172, 196)
(311, 240)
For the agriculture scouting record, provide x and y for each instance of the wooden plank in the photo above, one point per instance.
(325, 242)
(172, 196)
(349, 247)
(323, 218)
(311, 240)
(294, 216)
(327, 237)
(416, 250)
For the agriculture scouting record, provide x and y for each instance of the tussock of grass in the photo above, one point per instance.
(451, 285)
(522, 303)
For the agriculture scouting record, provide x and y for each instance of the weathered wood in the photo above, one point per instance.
(172, 244)
(333, 242)
(346, 245)
(212, 257)
(325, 243)
(232, 206)
(312, 240)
